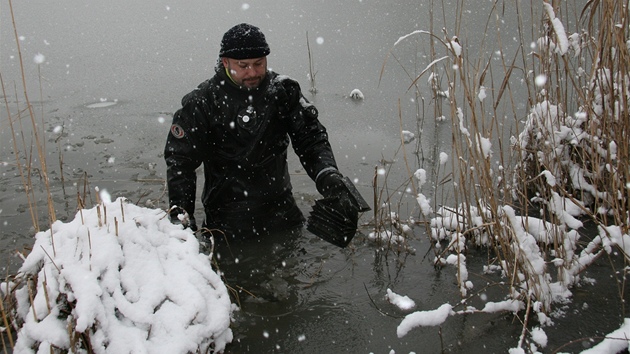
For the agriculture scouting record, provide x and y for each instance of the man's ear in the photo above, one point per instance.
(224, 61)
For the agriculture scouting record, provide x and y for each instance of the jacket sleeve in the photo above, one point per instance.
(308, 136)
(182, 154)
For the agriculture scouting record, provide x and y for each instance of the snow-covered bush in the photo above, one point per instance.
(120, 279)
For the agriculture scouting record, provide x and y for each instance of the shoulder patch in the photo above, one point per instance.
(177, 131)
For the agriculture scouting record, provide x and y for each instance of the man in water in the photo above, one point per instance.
(239, 124)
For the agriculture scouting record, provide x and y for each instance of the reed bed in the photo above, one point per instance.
(539, 150)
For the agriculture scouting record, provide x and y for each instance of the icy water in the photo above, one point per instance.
(111, 75)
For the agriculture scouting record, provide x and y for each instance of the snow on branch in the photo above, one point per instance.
(424, 318)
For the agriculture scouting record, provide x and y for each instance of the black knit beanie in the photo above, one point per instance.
(244, 41)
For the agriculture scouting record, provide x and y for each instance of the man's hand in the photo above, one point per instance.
(179, 216)
(331, 185)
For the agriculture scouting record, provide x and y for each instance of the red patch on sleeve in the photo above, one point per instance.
(177, 131)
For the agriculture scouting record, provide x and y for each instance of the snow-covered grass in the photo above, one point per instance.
(527, 205)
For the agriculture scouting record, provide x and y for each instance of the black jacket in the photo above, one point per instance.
(241, 138)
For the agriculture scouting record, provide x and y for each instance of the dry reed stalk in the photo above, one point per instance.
(375, 208)
(38, 141)
(80, 206)
(31, 204)
(122, 210)
(98, 213)
(29, 283)
(52, 241)
(89, 236)
(5, 320)
(402, 145)
(61, 176)
(99, 203)
(311, 66)
(45, 287)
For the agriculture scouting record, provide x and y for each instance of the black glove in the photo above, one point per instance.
(332, 185)
(329, 183)
(179, 216)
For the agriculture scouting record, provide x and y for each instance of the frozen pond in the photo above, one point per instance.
(114, 72)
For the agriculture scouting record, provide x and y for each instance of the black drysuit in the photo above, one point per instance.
(241, 137)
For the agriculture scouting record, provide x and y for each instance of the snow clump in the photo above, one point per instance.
(402, 302)
(356, 94)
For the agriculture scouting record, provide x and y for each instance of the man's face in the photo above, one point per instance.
(248, 73)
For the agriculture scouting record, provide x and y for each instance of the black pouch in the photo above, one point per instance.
(329, 221)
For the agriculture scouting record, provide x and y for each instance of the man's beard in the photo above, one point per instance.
(252, 82)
